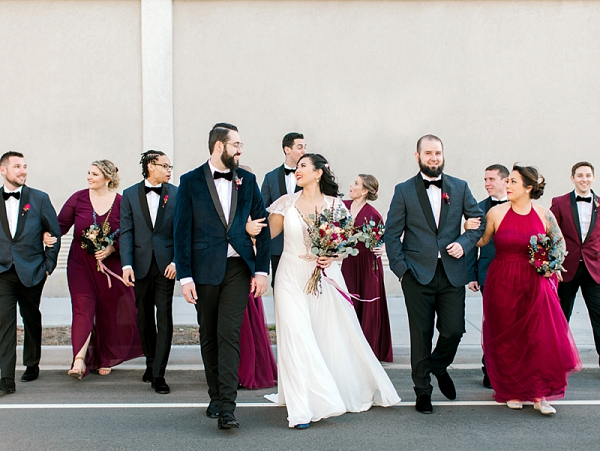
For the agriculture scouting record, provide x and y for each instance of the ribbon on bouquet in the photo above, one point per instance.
(346, 295)
(104, 270)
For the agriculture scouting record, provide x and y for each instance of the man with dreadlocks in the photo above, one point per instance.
(148, 261)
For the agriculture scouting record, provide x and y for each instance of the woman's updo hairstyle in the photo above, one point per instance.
(110, 171)
(371, 184)
(328, 185)
(531, 179)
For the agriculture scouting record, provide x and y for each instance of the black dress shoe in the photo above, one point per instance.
(446, 385)
(160, 386)
(147, 377)
(486, 381)
(212, 411)
(423, 404)
(30, 374)
(7, 386)
(227, 420)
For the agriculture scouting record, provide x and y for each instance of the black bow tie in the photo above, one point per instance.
(156, 189)
(577, 199)
(497, 202)
(223, 175)
(289, 171)
(437, 183)
(16, 195)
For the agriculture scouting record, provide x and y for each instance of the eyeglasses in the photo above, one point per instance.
(238, 145)
(165, 166)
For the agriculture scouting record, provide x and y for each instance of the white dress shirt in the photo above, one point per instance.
(585, 215)
(12, 210)
(290, 180)
(435, 198)
(153, 200)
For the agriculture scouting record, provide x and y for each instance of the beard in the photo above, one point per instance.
(229, 161)
(431, 172)
(16, 182)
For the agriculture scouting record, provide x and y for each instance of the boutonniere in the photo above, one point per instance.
(165, 200)
(238, 181)
(446, 197)
(26, 208)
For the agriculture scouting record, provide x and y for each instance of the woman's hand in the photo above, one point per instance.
(101, 255)
(49, 240)
(325, 262)
(472, 223)
(558, 275)
(253, 228)
(379, 251)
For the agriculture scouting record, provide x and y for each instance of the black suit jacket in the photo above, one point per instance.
(139, 239)
(26, 250)
(479, 259)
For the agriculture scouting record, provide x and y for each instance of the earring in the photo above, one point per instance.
(318, 180)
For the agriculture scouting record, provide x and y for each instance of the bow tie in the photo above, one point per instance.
(156, 189)
(289, 171)
(497, 202)
(223, 175)
(437, 183)
(577, 199)
(16, 195)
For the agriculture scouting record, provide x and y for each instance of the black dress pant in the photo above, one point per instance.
(13, 292)
(156, 329)
(274, 264)
(220, 313)
(423, 302)
(567, 291)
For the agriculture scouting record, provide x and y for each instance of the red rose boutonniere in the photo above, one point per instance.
(165, 200)
(26, 208)
(238, 182)
(446, 197)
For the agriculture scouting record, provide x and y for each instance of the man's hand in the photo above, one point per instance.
(259, 285)
(128, 277)
(473, 286)
(170, 272)
(455, 250)
(189, 293)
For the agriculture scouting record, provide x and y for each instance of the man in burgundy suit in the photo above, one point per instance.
(577, 215)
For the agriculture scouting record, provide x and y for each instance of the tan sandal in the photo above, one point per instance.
(104, 371)
(77, 373)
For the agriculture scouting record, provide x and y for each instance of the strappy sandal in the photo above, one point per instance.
(77, 373)
(104, 371)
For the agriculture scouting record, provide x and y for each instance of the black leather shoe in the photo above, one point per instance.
(7, 386)
(147, 377)
(227, 420)
(160, 386)
(212, 411)
(486, 381)
(446, 385)
(30, 374)
(423, 404)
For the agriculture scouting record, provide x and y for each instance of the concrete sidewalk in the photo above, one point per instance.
(57, 312)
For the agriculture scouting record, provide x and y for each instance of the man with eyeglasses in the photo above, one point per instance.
(279, 182)
(216, 262)
(147, 255)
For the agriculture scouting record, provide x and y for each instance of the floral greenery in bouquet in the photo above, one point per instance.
(330, 234)
(372, 235)
(98, 237)
(545, 253)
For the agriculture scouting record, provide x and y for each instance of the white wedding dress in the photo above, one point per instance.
(325, 365)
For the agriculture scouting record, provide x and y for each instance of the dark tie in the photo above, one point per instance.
(497, 202)
(437, 183)
(577, 199)
(156, 189)
(16, 195)
(289, 171)
(223, 175)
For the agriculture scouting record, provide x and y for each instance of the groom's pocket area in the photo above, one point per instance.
(200, 245)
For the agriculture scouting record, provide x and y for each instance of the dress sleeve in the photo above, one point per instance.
(66, 217)
(281, 205)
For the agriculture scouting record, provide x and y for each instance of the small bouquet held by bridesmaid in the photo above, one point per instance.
(372, 236)
(545, 254)
(331, 234)
(97, 238)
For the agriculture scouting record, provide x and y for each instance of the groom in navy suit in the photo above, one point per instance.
(216, 262)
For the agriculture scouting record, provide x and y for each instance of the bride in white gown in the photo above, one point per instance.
(326, 366)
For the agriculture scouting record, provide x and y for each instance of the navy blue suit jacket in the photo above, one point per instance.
(479, 259)
(202, 233)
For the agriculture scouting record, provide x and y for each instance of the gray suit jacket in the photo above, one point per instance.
(273, 188)
(479, 258)
(26, 250)
(412, 238)
(138, 238)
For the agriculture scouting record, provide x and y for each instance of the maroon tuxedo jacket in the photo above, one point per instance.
(565, 209)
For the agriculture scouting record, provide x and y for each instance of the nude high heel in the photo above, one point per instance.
(77, 373)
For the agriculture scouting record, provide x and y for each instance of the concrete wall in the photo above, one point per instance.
(498, 81)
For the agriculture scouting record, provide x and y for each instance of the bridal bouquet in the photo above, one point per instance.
(330, 234)
(545, 255)
(372, 235)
